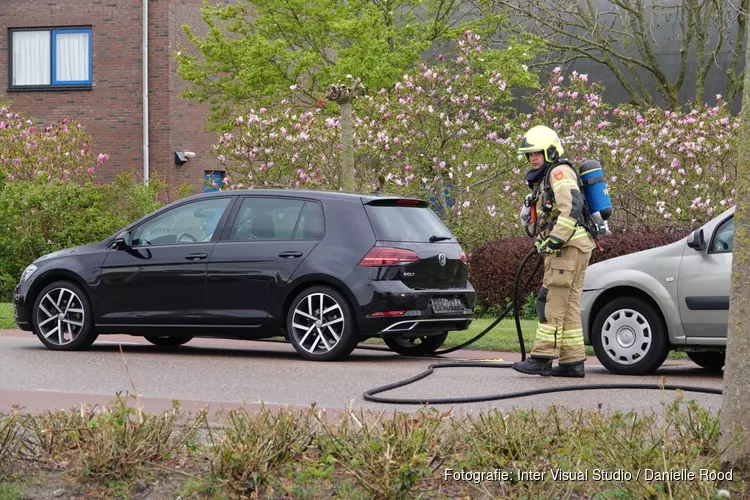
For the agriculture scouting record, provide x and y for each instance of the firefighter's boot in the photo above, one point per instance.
(534, 366)
(569, 370)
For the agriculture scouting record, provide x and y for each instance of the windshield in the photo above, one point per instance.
(399, 223)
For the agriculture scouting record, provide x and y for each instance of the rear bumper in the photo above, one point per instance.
(418, 318)
(424, 327)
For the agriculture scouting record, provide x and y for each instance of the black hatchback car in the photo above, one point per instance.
(325, 270)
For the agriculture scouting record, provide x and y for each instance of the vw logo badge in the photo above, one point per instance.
(441, 259)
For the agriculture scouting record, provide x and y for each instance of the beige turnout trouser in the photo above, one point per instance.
(559, 306)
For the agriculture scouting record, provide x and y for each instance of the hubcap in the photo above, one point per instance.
(60, 316)
(318, 323)
(626, 336)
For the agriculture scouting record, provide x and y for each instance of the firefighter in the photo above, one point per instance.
(566, 245)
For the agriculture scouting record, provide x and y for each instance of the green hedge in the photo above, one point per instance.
(39, 218)
(492, 266)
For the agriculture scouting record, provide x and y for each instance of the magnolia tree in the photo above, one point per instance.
(664, 168)
(442, 132)
(446, 133)
(58, 151)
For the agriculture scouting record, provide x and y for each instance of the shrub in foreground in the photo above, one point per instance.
(429, 454)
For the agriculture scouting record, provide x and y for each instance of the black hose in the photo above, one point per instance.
(370, 395)
(484, 332)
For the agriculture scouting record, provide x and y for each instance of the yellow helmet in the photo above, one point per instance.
(542, 139)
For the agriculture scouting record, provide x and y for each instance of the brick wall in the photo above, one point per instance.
(112, 110)
(188, 117)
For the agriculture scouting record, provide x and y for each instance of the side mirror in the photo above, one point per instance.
(123, 240)
(696, 240)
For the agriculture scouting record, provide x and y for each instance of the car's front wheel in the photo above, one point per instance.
(62, 318)
(168, 341)
(320, 325)
(629, 337)
(713, 361)
(421, 346)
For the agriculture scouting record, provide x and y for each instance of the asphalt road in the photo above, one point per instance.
(226, 374)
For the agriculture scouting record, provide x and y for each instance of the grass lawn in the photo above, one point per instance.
(6, 316)
(501, 338)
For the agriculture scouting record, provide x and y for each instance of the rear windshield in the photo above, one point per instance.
(392, 223)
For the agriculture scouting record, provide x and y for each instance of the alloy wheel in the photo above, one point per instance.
(626, 336)
(318, 323)
(60, 316)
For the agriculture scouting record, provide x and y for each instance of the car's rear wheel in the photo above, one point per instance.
(62, 318)
(320, 324)
(421, 346)
(629, 337)
(168, 341)
(713, 361)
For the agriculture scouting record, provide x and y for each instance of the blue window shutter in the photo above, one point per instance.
(209, 177)
(87, 31)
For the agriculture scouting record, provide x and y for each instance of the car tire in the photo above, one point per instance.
(74, 328)
(629, 337)
(168, 341)
(409, 347)
(712, 361)
(338, 336)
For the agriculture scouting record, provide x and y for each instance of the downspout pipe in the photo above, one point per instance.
(145, 94)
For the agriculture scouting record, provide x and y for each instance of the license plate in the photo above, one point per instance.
(443, 305)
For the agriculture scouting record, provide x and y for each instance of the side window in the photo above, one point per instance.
(723, 238)
(263, 218)
(191, 223)
(312, 224)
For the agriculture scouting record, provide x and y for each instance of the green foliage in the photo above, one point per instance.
(112, 443)
(293, 453)
(255, 50)
(41, 217)
(253, 448)
(390, 460)
(442, 132)
(49, 198)
(184, 191)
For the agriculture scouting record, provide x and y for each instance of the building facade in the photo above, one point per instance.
(83, 60)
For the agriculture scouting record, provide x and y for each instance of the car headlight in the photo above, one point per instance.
(28, 272)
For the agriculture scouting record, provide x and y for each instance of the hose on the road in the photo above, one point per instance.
(370, 395)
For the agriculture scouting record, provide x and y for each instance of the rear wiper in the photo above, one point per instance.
(434, 238)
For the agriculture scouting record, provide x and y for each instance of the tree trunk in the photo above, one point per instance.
(735, 411)
(347, 164)
(343, 94)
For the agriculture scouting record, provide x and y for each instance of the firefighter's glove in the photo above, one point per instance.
(549, 245)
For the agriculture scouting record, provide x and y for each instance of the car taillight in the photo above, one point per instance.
(387, 314)
(408, 203)
(463, 256)
(385, 256)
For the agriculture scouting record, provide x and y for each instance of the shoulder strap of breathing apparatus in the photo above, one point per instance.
(585, 220)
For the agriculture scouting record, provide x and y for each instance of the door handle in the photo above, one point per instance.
(289, 255)
(196, 256)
